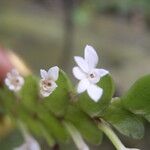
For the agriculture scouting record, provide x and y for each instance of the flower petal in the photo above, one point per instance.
(78, 73)
(14, 72)
(91, 56)
(43, 73)
(101, 72)
(12, 87)
(44, 93)
(82, 63)
(95, 92)
(21, 80)
(83, 85)
(7, 82)
(53, 73)
(29, 144)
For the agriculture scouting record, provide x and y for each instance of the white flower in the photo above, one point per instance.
(14, 80)
(29, 144)
(88, 74)
(47, 83)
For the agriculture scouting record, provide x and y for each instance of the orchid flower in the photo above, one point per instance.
(47, 83)
(88, 74)
(14, 81)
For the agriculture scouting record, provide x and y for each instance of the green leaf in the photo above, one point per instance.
(35, 126)
(29, 93)
(13, 140)
(30, 122)
(147, 117)
(124, 121)
(53, 126)
(58, 101)
(48, 137)
(97, 108)
(8, 101)
(137, 99)
(84, 124)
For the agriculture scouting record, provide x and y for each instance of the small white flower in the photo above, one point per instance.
(14, 80)
(29, 144)
(47, 83)
(88, 74)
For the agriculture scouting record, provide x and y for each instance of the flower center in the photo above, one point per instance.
(15, 81)
(49, 83)
(92, 75)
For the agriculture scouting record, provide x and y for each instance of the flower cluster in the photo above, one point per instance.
(88, 75)
(85, 71)
(14, 81)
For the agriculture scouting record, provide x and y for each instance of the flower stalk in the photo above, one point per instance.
(113, 137)
(76, 137)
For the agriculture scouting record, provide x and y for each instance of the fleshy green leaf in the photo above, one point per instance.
(137, 99)
(13, 140)
(30, 122)
(97, 108)
(147, 117)
(29, 93)
(35, 126)
(53, 126)
(84, 124)
(8, 101)
(124, 121)
(58, 101)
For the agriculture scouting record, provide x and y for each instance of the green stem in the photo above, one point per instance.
(76, 136)
(111, 135)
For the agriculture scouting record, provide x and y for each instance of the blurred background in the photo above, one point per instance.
(50, 32)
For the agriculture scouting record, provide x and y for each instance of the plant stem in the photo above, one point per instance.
(76, 136)
(111, 135)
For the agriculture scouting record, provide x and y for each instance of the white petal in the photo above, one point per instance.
(17, 88)
(11, 87)
(82, 63)
(95, 92)
(78, 73)
(14, 72)
(83, 85)
(21, 80)
(91, 56)
(7, 82)
(32, 144)
(43, 73)
(29, 144)
(101, 72)
(44, 93)
(53, 73)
